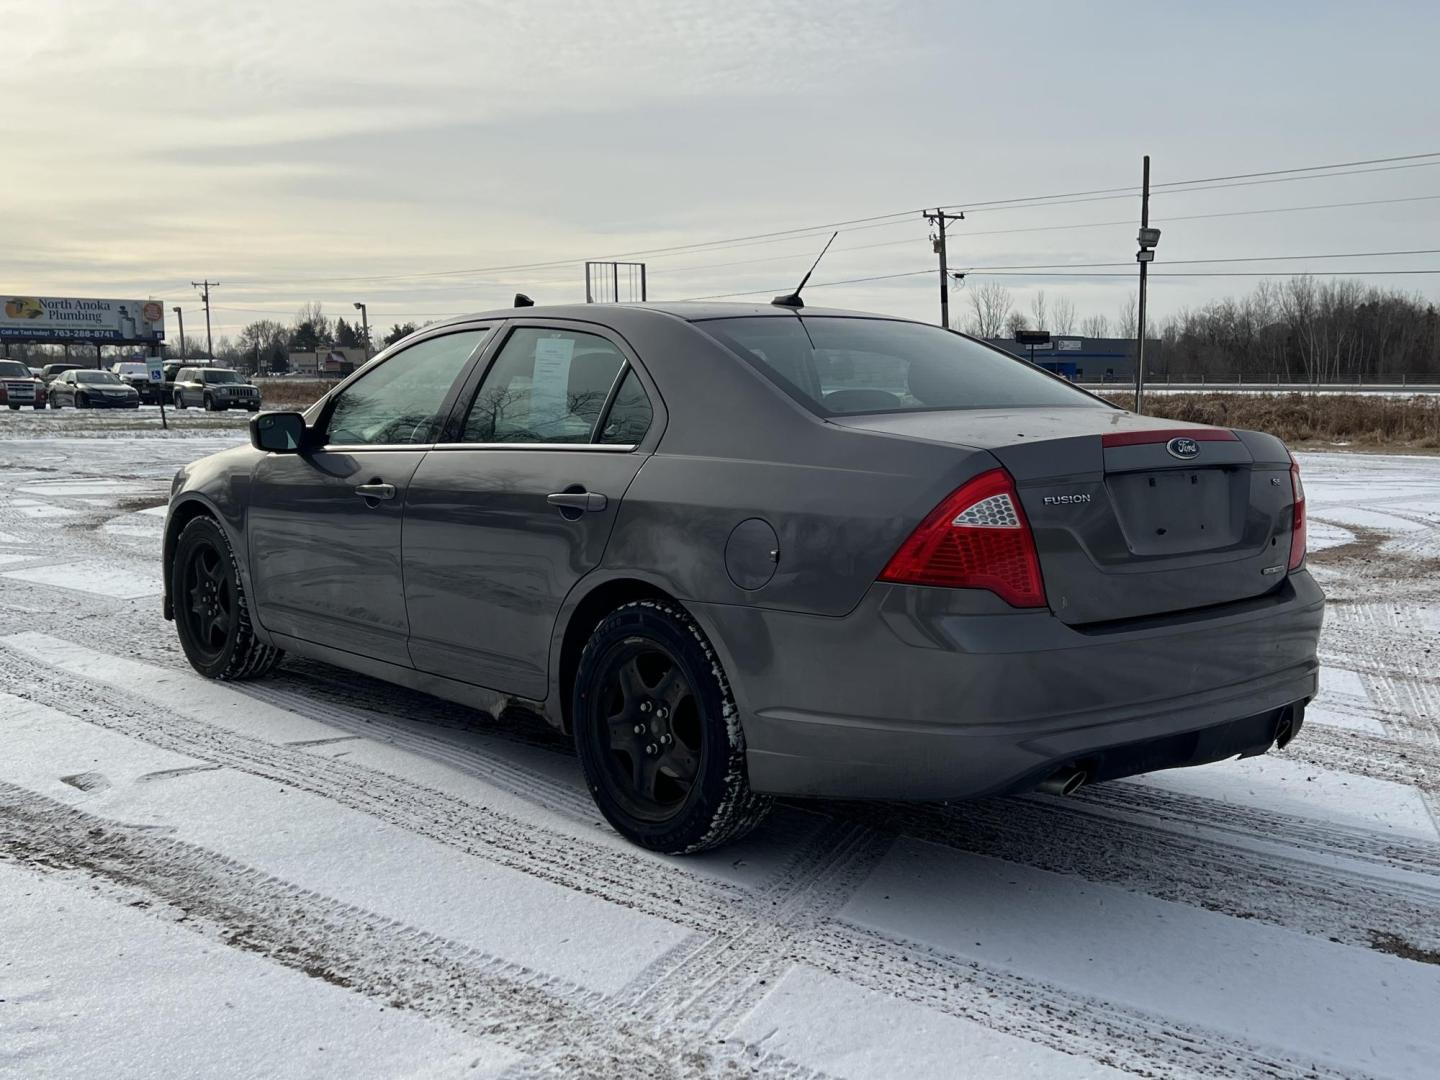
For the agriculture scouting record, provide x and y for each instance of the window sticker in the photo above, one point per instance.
(550, 384)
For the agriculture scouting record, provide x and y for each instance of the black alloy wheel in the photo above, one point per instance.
(652, 728)
(657, 733)
(212, 615)
(207, 600)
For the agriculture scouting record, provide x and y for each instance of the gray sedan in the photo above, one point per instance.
(741, 551)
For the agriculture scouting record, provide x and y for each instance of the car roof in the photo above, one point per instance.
(687, 310)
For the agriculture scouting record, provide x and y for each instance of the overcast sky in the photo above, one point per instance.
(341, 151)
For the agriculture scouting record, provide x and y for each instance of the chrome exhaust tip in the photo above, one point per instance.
(1064, 781)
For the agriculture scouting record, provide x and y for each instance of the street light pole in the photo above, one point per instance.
(364, 326)
(180, 314)
(1147, 239)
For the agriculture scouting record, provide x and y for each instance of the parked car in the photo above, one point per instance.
(50, 372)
(215, 389)
(136, 373)
(18, 387)
(740, 551)
(87, 388)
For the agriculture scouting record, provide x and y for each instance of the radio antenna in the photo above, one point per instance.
(792, 300)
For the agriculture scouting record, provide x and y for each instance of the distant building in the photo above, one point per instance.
(1089, 360)
(333, 363)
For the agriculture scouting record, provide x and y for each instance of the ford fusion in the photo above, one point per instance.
(745, 551)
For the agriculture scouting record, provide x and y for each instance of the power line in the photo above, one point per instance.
(1310, 172)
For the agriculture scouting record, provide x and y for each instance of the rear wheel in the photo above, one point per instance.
(658, 735)
(212, 614)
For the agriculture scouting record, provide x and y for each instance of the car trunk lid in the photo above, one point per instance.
(1132, 516)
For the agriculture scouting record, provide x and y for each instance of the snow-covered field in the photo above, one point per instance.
(321, 875)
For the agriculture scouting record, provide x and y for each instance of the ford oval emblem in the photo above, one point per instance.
(1183, 448)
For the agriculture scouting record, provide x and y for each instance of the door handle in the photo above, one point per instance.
(577, 500)
(376, 491)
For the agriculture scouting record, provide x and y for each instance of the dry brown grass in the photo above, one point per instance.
(291, 393)
(1372, 421)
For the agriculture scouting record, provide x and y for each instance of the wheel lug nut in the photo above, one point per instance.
(662, 712)
(639, 729)
(665, 740)
(650, 749)
(644, 706)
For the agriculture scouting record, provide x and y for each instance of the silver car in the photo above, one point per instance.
(741, 551)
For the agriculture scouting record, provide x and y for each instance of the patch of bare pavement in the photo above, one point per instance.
(344, 863)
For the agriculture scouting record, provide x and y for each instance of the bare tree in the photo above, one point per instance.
(1095, 326)
(1039, 310)
(1062, 316)
(1015, 323)
(1127, 317)
(990, 304)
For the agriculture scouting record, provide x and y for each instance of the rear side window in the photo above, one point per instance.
(630, 413)
(545, 386)
(838, 366)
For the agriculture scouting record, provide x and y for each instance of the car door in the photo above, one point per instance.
(66, 383)
(517, 504)
(324, 525)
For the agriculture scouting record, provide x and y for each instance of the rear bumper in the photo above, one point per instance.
(923, 694)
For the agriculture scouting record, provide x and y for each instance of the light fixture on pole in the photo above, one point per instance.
(364, 326)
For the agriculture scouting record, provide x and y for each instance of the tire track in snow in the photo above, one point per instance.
(564, 1029)
(629, 878)
(1318, 837)
(1105, 1031)
(720, 914)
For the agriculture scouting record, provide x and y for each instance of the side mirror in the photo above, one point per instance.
(278, 432)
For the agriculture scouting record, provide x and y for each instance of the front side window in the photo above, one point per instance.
(96, 377)
(220, 375)
(545, 386)
(838, 366)
(399, 402)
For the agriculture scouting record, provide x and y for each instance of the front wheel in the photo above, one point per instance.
(81, 401)
(658, 735)
(14, 408)
(179, 400)
(212, 613)
(209, 403)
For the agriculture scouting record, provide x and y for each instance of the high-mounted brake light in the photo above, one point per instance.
(977, 538)
(1297, 524)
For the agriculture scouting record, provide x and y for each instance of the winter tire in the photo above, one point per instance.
(212, 615)
(658, 733)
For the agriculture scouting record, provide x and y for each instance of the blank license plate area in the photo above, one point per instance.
(1176, 511)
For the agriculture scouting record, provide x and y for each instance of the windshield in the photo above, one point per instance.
(838, 366)
(96, 377)
(133, 369)
(220, 375)
(12, 369)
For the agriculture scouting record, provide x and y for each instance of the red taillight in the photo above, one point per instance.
(977, 538)
(1297, 525)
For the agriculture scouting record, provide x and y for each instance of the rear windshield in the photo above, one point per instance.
(14, 370)
(219, 375)
(839, 366)
(96, 377)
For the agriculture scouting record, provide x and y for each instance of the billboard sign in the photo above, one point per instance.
(59, 319)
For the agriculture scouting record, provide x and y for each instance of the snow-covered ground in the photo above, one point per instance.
(321, 875)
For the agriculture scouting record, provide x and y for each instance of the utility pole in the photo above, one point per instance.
(938, 218)
(205, 287)
(1147, 240)
(364, 326)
